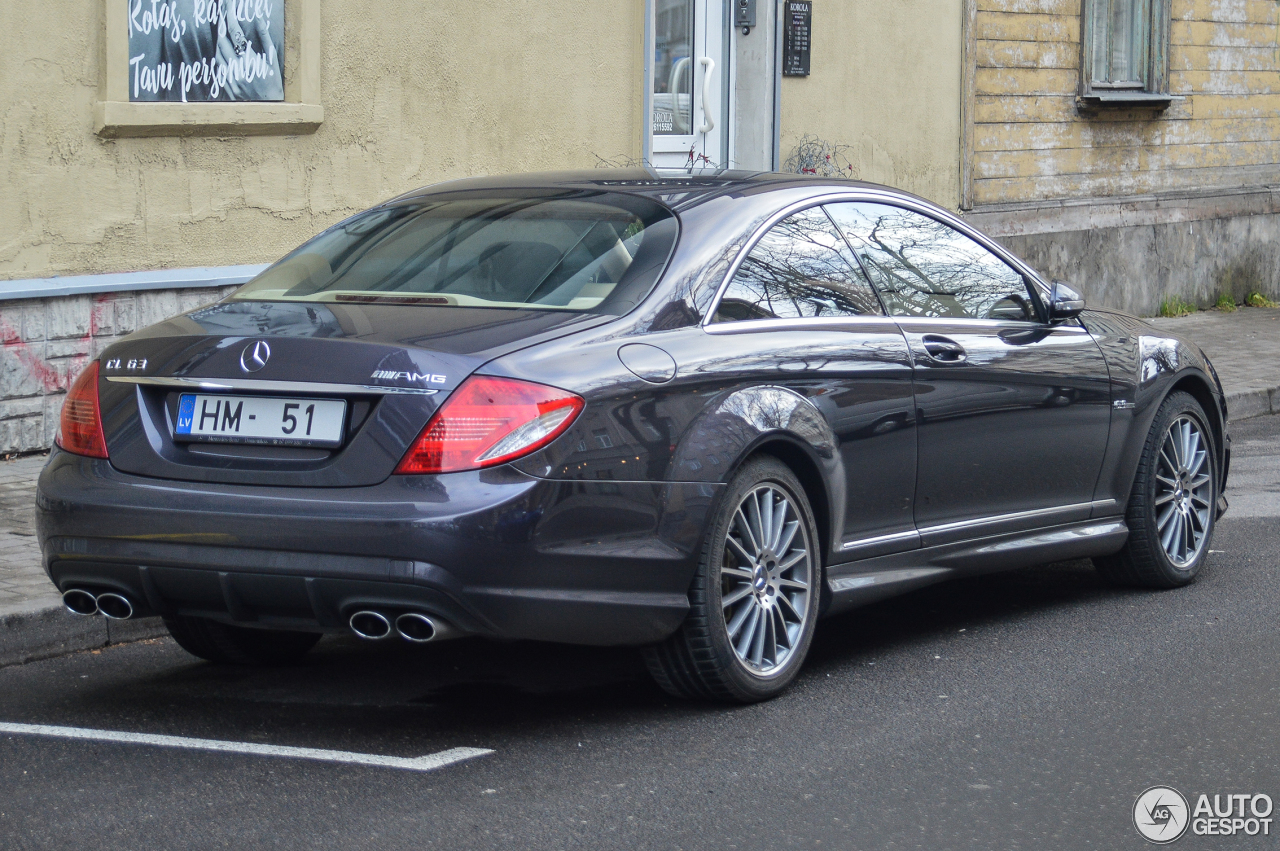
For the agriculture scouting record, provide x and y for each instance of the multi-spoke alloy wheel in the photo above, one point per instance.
(1173, 503)
(1184, 491)
(766, 579)
(754, 600)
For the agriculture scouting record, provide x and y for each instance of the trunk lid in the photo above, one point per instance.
(392, 365)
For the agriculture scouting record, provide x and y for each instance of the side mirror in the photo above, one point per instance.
(1064, 303)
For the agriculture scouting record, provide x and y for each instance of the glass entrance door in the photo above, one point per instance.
(689, 101)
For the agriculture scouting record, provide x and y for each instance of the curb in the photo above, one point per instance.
(39, 629)
(1253, 403)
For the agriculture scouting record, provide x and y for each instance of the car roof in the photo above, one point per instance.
(677, 191)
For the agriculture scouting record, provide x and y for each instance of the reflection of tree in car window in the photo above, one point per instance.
(800, 268)
(923, 267)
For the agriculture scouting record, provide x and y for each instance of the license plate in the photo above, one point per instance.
(261, 419)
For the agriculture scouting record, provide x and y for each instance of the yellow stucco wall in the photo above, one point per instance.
(413, 93)
(1030, 143)
(885, 81)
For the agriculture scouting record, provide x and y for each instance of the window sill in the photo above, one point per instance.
(1097, 101)
(114, 119)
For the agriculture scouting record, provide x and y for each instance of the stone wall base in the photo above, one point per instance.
(46, 342)
(1134, 253)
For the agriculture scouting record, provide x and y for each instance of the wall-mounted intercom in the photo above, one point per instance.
(744, 15)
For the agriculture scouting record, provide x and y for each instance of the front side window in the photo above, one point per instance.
(598, 252)
(924, 268)
(1126, 46)
(801, 268)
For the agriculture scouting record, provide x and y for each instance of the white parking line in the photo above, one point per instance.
(430, 762)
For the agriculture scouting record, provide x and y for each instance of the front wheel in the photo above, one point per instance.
(1174, 501)
(754, 600)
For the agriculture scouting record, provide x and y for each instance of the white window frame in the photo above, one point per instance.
(713, 37)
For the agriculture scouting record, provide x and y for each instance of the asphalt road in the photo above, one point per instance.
(1023, 710)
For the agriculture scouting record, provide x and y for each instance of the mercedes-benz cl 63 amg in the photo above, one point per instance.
(688, 414)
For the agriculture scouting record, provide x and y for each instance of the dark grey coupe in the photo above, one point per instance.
(689, 414)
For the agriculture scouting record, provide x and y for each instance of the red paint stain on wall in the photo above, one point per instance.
(51, 378)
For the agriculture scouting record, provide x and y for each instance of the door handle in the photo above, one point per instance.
(708, 64)
(673, 86)
(943, 349)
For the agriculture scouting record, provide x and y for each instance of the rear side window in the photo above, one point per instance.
(801, 268)
(923, 267)
(575, 251)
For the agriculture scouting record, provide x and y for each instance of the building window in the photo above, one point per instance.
(1120, 36)
(183, 69)
(1125, 53)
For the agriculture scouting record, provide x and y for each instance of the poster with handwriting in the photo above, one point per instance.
(206, 50)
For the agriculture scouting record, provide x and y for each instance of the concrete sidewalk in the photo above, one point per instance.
(33, 624)
(1244, 347)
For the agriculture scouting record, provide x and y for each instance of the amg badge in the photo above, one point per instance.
(392, 375)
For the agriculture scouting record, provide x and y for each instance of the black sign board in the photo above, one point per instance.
(209, 50)
(798, 20)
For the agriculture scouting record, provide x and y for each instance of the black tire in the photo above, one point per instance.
(236, 645)
(1145, 561)
(700, 660)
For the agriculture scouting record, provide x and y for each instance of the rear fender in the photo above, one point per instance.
(730, 431)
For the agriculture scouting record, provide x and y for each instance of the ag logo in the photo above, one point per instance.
(1161, 814)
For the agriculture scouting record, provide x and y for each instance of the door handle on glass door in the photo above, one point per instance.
(943, 349)
(681, 122)
(708, 64)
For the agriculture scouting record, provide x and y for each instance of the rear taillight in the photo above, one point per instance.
(80, 430)
(490, 421)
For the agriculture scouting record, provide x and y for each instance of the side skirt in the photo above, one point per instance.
(860, 582)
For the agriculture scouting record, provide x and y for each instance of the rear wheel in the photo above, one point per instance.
(754, 600)
(1173, 503)
(235, 645)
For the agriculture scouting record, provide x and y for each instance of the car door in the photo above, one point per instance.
(1012, 412)
(799, 313)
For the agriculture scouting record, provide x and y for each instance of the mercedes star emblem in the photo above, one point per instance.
(255, 356)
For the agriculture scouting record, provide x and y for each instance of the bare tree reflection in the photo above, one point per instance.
(923, 267)
(799, 269)
(1159, 355)
(780, 409)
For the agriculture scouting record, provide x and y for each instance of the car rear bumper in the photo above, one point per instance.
(494, 552)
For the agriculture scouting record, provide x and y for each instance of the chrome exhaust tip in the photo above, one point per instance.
(370, 625)
(80, 602)
(416, 628)
(115, 606)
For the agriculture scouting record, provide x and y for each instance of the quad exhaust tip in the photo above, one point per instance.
(416, 628)
(80, 602)
(370, 625)
(115, 606)
(411, 626)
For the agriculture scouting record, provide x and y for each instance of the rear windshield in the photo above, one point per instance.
(576, 251)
